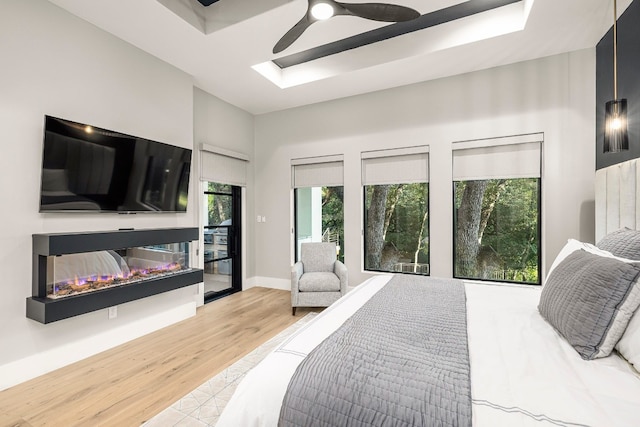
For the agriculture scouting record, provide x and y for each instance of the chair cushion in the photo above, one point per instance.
(318, 256)
(319, 282)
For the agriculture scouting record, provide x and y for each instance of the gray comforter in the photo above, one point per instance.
(401, 360)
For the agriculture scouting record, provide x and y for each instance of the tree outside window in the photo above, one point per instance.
(497, 230)
(397, 228)
(218, 203)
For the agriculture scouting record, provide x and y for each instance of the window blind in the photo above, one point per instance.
(223, 166)
(508, 158)
(325, 171)
(395, 166)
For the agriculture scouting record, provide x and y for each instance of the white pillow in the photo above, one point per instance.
(570, 247)
(629, 344)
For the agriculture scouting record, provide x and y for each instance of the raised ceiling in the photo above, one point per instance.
(227, 47)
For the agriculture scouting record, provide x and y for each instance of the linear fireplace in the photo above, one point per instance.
(77, 273)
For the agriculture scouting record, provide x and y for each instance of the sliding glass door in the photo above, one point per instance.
(222, 252)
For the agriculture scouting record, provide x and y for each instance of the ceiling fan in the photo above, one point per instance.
(206, 3)
(319, 10)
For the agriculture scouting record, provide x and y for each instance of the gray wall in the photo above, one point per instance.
(628, 83)
(554, 95)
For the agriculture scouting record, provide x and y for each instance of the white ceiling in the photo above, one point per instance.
(222, 47)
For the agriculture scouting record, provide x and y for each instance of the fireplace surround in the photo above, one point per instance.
(77, 273)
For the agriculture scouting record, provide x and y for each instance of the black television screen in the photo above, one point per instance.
(86, 168)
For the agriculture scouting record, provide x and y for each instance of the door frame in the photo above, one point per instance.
(236, 239)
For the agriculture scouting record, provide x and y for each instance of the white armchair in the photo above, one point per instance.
(318, 279)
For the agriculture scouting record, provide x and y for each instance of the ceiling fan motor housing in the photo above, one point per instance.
(207, 2)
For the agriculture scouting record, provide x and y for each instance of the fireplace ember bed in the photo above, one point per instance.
(78, 273)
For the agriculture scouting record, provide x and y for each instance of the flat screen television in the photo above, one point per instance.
(90, 169)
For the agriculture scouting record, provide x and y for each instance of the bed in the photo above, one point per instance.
(536, 356)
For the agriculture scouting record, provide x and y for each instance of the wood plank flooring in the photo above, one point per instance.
(129, 384)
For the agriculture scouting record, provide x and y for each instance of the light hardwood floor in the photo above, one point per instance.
(129, 384)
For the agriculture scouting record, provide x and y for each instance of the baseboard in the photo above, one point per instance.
(30, 367)
(268, 282)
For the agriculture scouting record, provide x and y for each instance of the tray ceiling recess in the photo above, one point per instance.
(227, 47)
(457, 24)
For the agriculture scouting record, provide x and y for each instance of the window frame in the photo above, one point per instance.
(296, 255)
(364, 234)
(234, 239)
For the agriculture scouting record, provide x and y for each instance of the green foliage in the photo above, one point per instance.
(509, 245)
(406, 221)
(512, 229)
(408, 224)
(333, 214)
(218, 204)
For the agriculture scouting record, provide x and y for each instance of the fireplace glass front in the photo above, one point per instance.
(79, 273)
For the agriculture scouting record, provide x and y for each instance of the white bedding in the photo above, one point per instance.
(522, 372)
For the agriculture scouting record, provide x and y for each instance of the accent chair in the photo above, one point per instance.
(319, 278)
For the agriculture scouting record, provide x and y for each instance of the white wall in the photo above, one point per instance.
(554, 95)
(53, 63)
(56, 64)
(222, 125)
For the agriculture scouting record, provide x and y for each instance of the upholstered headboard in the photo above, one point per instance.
(618, 197)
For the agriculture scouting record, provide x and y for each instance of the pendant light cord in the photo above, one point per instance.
(615, 51)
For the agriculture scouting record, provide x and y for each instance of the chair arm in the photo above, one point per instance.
(296, 273)
(340, 270)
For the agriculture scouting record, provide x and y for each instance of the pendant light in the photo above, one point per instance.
(616, 129)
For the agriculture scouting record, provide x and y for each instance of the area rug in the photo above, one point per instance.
(203, 406)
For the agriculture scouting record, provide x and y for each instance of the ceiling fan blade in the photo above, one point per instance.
(380, 11)
(293, 34)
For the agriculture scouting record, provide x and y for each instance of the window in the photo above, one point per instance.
(318, 195)
(497, 193)
(320, 217)
(396, 210)
(397, 228)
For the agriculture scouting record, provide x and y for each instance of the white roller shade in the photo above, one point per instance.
(223, 166)
(400, 166)
(318, 172)
(515, 160)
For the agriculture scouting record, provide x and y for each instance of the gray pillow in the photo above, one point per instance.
(589, 299)
(623, 243)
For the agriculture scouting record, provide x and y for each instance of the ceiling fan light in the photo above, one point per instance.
(322, 11)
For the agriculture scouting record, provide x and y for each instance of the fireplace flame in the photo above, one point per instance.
(95, 281)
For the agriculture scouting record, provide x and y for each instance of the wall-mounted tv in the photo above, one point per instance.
(90, 169)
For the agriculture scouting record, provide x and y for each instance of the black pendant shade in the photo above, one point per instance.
(616, 129)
